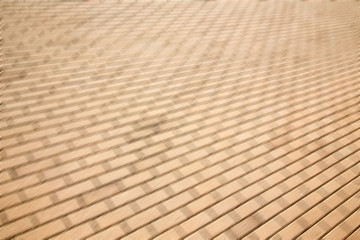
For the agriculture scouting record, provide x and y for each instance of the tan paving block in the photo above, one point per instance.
(44, 231)
(266, 230)
(75, 154)
(177, 200)
(4, 177)
(86, 173)
(147, 163)
(113, 175)
(201, 203)
(61, 170)
(16, 227)
(44, 188)
(168, 221)
(137, 178)
(270, 210)
(354, 235)
(143, 218)
(99, 157)
(87, 213)
(74, 190)
(114, 216)
(34, 167)
(107, 233)
(31, 146)
(28, 207)
(100, 193)
(183, 184)
(219, 225)
(5, 164)
(9, 200)
(225, 205)
(76, 232)
(139, 234)
(196, 222)
(56, 211)
(61, 138)
(104, 144)
(168, 166)
(49, 151)
(171, 234)
(152, 199)
(207, 186)
(162, 181)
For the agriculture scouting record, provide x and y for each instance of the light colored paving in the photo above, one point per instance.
(191, 119)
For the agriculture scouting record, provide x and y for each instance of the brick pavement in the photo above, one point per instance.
(180, 119)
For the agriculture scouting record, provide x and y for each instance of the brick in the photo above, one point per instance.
(28, 207)
(100, 193)
(9, 230)
(4, 177)
(75, 154)
(92, 139)
(219, 225)
(106, 234)
(49, 151)
(31, 146)
(5, 164)
(34, 167)
(87, 213)
(151, 199)
(196, 222)
(354, 235)
(86, 173)
(127, 196)
(58, 210)
(177, 201)
(137, 178)
(9, 200)
(18, 184)
(201, 203)
(168, 166)
(161, 181)
(61, 170)
(154, 149)
(76, 232)
(143, 217)
(207, 186)
(168, 221)
(139, 234)
(147, 163)
(115, 142)
(114, 175)
(60, 138)
(100, 157)
(74, 190)
(44, 188)
(76, 124)
(267, 229)
(171, 234)
(247, 224)
(189, 169)
(123, 160)
(114, 216)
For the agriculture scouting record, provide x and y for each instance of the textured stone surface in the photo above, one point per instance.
(191, 119)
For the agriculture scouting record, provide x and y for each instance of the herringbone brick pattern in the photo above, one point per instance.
(180, 119)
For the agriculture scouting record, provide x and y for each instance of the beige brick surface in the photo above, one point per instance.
(179, 119)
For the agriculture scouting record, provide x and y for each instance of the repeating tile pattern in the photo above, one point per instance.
(180, 119)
